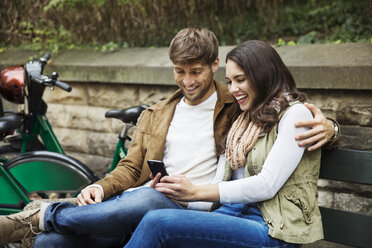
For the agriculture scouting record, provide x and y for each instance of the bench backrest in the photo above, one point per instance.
(346, 227)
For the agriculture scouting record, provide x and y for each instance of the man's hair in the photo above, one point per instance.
(194, 45)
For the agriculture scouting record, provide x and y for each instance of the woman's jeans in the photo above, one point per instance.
(106, 224)
(232, 225)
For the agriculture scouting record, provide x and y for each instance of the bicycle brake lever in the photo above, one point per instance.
(60, 84)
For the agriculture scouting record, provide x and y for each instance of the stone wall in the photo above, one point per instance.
(78, 118)
(337, 78)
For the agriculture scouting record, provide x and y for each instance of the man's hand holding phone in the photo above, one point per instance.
(155, 180)
(157, 171)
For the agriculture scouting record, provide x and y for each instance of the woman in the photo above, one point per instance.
(270, 200)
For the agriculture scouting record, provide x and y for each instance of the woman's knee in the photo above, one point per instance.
(161, 218)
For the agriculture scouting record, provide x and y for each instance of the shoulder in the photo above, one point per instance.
(297, 112)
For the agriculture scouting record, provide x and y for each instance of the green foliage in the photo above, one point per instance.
(281, 42)
(308, 38)
(107, 25)
(74, 4)
(44, 36)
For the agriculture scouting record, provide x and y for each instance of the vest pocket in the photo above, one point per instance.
(299, 203)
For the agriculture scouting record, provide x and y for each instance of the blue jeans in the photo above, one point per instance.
(106, 224)
(232, 225)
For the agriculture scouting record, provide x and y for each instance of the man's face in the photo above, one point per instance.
(195, 81)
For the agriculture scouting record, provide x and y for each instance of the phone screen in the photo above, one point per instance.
(157, 166)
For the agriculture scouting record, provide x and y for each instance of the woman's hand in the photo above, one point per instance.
(177, 188)
(180, 189)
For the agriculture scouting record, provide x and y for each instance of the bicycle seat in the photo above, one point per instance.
(128, 115)
(9, 123)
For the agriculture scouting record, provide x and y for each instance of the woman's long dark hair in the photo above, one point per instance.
(269, 78)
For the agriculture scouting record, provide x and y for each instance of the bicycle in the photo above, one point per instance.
(41, 165)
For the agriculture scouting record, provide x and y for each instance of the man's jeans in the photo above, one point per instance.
(105, 224)
(232, 225)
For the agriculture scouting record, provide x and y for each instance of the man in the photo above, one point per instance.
(186, 131)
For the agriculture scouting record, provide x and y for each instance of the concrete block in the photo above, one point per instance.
(348, 107)
(325, 198)
(353, 203)
(318, 66)
(151, 94)
(356, 137)
(89, 142)
(79, 117)
(73, 139)
(113, 96)
(103, 144)
(77, 96)
(337, 186)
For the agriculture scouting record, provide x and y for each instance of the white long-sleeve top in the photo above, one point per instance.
(280, 163)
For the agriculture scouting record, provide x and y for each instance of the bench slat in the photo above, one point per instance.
(347, 165)
(346, 227)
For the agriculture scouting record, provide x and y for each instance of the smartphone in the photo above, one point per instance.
(157, 166)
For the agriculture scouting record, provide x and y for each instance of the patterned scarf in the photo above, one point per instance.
(240, 140)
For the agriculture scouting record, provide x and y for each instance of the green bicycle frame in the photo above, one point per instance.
(42, 127)
(120, 153)
(11, 185)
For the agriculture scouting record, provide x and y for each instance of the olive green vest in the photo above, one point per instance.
(292, 214)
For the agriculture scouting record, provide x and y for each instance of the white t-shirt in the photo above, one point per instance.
(190, 146)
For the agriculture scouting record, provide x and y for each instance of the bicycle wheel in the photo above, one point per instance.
(44, 172)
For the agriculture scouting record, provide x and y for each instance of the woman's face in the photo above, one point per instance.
(239, 85)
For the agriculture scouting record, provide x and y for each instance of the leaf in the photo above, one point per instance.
(281, 42)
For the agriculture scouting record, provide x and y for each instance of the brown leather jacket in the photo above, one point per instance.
(149, 140)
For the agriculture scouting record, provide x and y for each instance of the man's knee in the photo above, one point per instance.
(146, 194)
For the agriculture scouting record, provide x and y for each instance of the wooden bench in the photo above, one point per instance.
(346, 227)
(340, 227)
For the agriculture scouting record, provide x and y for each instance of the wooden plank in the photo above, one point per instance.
(346, 227)
(347, 165)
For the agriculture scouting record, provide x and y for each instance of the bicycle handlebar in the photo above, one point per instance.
(45, 58)
(41, 79)
(37, 79)
(63, 86)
